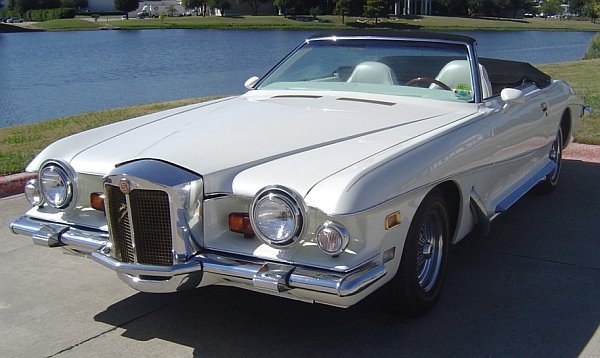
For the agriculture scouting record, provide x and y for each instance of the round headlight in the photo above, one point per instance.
(56, 185)
(276, 217)
(32, 193)
(332, 238)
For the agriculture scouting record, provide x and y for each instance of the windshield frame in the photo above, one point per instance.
(468, 43)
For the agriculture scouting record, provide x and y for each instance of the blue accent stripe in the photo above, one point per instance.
(525, 187)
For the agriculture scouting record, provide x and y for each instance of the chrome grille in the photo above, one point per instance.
(120, 226)
(152, 227)
(141, 226)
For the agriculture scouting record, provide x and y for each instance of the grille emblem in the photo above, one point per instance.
(122, 212)
(125, 186)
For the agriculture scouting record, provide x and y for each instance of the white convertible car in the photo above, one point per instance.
(349, 167)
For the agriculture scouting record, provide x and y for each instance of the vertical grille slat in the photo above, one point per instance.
(150, 241)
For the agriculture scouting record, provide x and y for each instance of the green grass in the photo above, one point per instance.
(325, 22)
(69, 24)
(19, 144)
(584, 77)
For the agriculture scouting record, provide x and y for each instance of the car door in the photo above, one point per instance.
(518, 132)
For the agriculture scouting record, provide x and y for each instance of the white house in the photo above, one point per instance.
(412, 7)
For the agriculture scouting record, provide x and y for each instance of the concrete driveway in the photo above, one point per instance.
(530, 288)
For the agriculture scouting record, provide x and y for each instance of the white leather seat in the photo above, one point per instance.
(456, 73)
(373, 72)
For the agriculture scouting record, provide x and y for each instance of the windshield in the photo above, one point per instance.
(404, 68)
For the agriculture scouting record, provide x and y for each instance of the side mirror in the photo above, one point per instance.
(250, 82)
(512, 96)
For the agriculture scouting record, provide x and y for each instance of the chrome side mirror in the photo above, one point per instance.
(512, 96)
(250, 82)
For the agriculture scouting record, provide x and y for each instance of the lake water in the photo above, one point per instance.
(53, 74)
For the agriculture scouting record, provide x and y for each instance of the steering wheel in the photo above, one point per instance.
(430, 80)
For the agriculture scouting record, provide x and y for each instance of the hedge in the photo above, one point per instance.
(10, 13)
(50, 14)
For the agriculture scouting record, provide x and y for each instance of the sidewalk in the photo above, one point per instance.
(13, 184)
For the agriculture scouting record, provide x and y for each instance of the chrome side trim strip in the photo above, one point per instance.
(525, 187)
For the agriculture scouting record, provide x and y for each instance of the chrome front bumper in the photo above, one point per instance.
(254, 274)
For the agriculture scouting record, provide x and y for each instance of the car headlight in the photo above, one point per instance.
(332, 238)
(32, 193)
(56, 184)
(277, 215)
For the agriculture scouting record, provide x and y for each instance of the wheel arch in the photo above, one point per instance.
(453, 198)
(566, 126)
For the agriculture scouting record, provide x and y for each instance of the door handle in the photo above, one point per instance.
(544, 106)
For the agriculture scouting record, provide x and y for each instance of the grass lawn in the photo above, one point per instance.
(584, 77)
(325, 22)
(19, 144)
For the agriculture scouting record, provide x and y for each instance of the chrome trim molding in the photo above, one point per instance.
(297, 206)
(185, 191)
(265, 276)
(52, 234)
(70, 182)
(255, 274)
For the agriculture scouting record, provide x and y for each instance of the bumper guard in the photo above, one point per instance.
(262, 275)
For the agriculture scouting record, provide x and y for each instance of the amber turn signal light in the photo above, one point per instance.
(240, 223)
(97, 201)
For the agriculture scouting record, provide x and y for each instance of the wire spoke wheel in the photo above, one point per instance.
(417, 284)
(430, 249)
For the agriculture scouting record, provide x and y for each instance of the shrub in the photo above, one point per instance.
(50, 14)
(10, 13)
(593, 50)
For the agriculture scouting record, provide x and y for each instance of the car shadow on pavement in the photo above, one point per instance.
(528, 288)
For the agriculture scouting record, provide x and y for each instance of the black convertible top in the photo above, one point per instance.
(505, 73)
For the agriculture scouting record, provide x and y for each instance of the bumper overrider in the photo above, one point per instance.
(207, 268)
(154, 239)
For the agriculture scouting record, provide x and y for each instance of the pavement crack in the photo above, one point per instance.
(116, 327)
(504, 253)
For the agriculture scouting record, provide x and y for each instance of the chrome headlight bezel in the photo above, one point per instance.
(279, 195)
(326, 231)
(64, 177)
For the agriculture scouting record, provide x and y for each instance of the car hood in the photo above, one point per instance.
(229, 136)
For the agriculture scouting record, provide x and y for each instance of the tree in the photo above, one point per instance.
(75, 4)
(552, 7)
(222, 5)
(576, 6)
(591, 8)
(254, 4)
(22, 6)
(200, 6)
(126, 6)
(376, 9)
(342, 7)
(171, 11)
(284, 6)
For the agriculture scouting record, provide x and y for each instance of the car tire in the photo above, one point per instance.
(417, 285)
(551, 181)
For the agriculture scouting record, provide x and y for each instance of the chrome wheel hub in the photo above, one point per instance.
(430, 248)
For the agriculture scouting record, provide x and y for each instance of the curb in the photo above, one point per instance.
(15, 183)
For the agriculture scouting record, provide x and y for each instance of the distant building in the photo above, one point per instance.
(412, 7)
